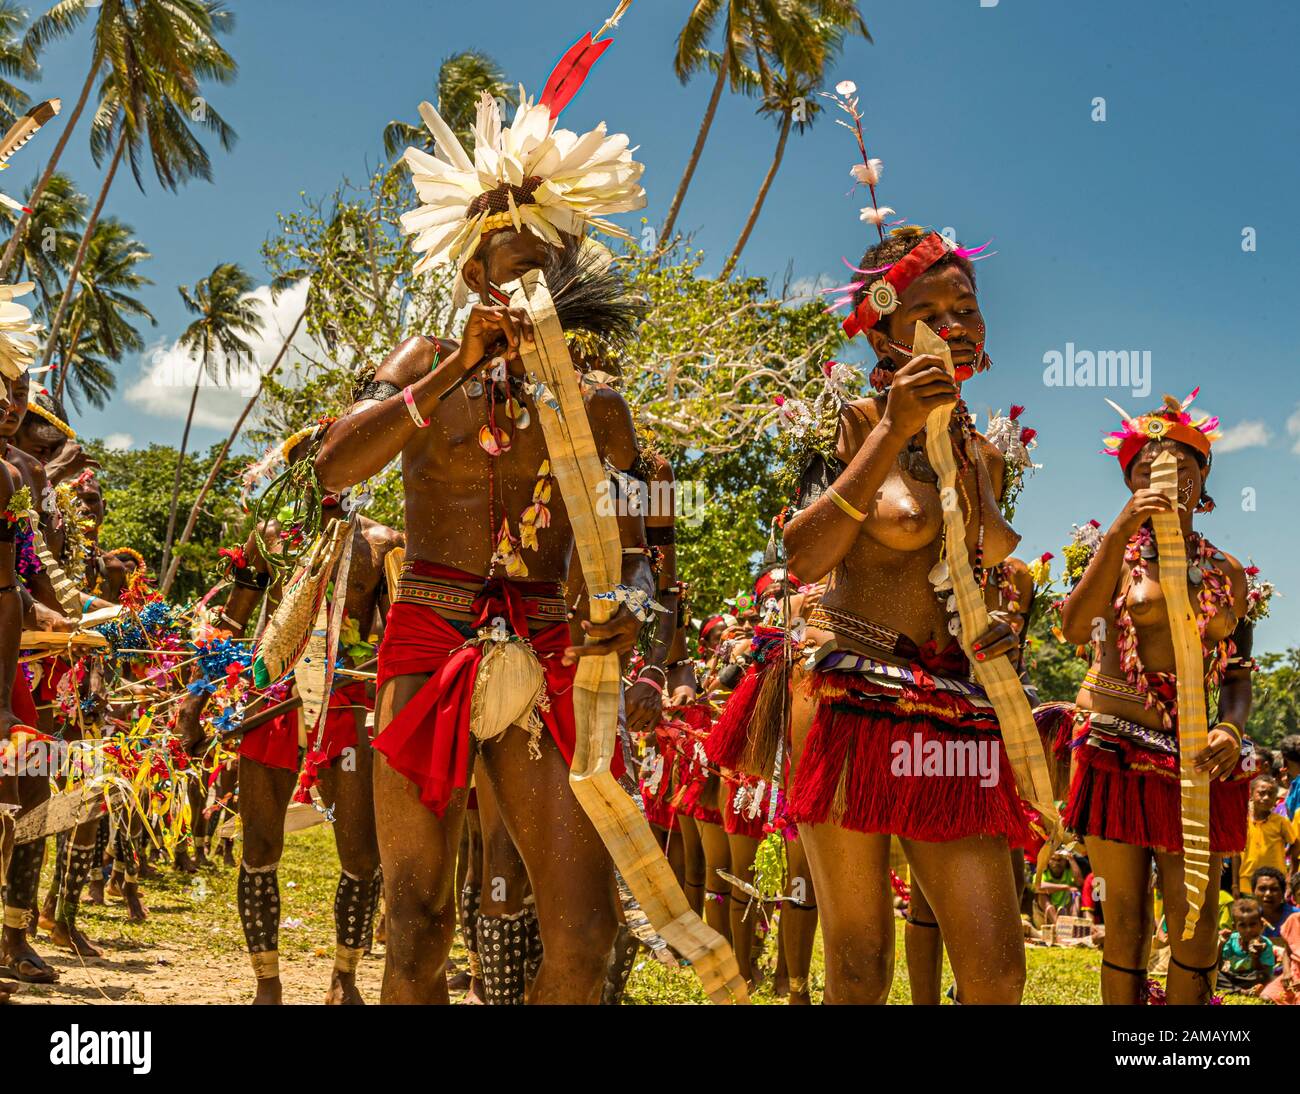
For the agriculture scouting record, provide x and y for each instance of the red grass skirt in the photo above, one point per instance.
(700, 784)
(1122, 791)
(740, 823)
(671, 741)
(851, 772)
(728, 738)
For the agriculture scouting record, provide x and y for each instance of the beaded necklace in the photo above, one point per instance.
(1213, 595)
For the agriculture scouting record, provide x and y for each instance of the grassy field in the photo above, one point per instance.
(191, 950)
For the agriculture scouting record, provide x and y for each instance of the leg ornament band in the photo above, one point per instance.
(621, 958)
(354, 911)
(78, 864)
(503, 950)
(266, 964)
(533, 962)
(16, 919)
(470, 897)
(259, 911)
(24, 875)
(346, 958)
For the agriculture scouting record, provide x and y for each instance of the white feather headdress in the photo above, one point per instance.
(17, 331)
(530, 175)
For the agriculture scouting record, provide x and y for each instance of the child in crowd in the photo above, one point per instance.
(1270, 837)
(1246, 958)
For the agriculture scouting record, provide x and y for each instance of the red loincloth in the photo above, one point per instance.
(275, 743)
(429, 739)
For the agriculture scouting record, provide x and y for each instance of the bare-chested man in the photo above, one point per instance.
(474, 463)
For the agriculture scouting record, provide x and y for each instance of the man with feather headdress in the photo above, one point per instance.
(488, 550)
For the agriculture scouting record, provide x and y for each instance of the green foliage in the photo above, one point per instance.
(1054, 668)
(136, 488)
(363, 299)
(1275, 710)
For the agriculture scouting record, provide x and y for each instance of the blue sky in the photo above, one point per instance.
(1123, 234)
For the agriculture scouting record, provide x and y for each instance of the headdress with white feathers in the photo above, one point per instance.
(530, 175)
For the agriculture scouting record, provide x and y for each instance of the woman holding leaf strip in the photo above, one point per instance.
(1123, 736)
(888, 733)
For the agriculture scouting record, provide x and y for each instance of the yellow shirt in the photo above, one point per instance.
(1266, 844)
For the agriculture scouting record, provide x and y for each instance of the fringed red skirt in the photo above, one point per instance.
(746, 807)
(903, 752)
(700, 786)
(1125, 786)
(726, 746)
(665, 772)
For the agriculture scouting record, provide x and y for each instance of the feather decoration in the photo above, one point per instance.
(26, 127)
(591, 296)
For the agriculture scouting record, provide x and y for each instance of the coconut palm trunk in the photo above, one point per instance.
(188, 530)
(11, 248)
(698, 150)
(52, 336)
(65, 368)
(180, 465)
(762, 197)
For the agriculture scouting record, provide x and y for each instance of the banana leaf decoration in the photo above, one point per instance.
(579, 473)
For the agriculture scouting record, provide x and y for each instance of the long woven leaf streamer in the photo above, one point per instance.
(579, 472)
(1189, 666)
(1024, 748)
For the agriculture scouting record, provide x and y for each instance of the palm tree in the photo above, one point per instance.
(462, 78)
(104, 302)
(154, 53)
(15, 60)
(789, 95)
(788, 30)
(60, 21)
(788, 92)
(225, 317)
(46, 250)
(219, 462)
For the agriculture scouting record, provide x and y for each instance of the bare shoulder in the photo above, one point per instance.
(858, 417)
(411, 358)
(611, 422)
(380, 536)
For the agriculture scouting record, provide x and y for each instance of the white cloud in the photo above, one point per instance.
(166, 381)
(1251, 433)
(118, 442)
(804, 289)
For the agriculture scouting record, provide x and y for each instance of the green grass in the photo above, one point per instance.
(194, 921)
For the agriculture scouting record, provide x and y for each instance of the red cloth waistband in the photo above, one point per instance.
(429, 739)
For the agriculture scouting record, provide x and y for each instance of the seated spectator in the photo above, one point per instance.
(1058, 886)
(1291, 761)
(1269, 836)
(1246, 958)
(1270, 891)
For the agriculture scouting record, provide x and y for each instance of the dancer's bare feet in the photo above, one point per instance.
(136, 912)
(269, 992)
(343, 990)
(95, 890)
(69, 937)
(19, 960)
(7, 988)
(184, 863)
(114, 887)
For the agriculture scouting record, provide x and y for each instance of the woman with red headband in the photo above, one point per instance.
(889, 735)
(1123, 736)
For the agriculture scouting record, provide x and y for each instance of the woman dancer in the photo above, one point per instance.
(884, 708)
(1124, 788)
